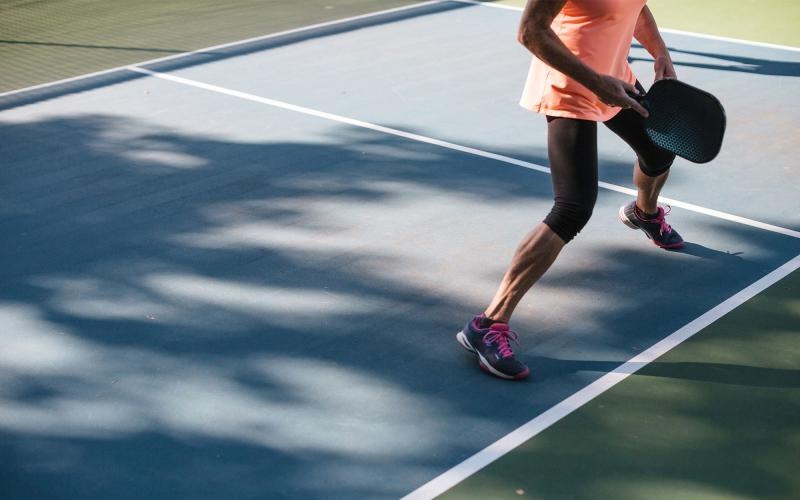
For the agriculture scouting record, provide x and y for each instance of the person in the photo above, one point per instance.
(579, 76)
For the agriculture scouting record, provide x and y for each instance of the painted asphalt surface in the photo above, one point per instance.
(717, 417)
(239, 294)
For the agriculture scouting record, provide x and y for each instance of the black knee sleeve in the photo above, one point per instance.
(566, 219)
(572, 151)
(655, 162)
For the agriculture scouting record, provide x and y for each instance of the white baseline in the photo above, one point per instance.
(476, 462)
(345, 20)
(663, 30)
(449, 145)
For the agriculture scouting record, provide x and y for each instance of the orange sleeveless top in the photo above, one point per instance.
(599, 32)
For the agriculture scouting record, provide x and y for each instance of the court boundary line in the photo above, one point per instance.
(226, 45)
(544, 420)
(740, 41)
(575, 401)
(487, 4)
(449, 145)
(466, 468)
(334, 22)
(663, 30)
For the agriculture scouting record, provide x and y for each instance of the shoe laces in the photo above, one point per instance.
(501, 338)
(661, 220)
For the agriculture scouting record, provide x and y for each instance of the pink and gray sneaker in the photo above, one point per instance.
(656, 228)
(492, 345)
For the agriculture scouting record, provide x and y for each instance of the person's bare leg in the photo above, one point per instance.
(535, 254)
(649, 189)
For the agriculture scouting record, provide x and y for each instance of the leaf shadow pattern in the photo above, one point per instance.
(183, 313)
(741, 64)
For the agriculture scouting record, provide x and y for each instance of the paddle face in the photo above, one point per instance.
(684, 120)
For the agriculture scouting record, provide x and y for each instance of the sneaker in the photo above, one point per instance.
(656, 228)
(492, 345)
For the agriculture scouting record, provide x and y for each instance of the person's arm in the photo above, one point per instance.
(647, 34)
(537, 36)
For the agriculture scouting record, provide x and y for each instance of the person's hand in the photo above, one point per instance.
(614, 92)
(664, 69)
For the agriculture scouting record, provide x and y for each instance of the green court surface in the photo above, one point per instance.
(45, 41)
(771, 21)
(718, 417)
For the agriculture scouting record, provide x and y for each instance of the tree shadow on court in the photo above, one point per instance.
(742, 64)
(184, 315)
(229, 312)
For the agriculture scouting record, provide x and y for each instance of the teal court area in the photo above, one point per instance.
(239, 272)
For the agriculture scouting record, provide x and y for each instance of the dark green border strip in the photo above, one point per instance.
(716, 417)
(51, 40)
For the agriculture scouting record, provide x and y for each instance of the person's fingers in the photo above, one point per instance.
(632, 103)
(629, 88)
(621, 96)
(640, 109)
(631, 93)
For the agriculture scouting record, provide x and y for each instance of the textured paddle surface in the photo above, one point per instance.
(685, 120)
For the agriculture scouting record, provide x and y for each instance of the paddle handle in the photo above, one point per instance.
(640, 96)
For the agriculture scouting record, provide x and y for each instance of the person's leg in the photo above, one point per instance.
(535, 254)
(650, 173)
(652, 165)
(648, 189)
(572, 151)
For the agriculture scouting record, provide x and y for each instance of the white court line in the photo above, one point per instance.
(493, 5)
(453, 146)
(225, 46)
(345, 20)
(455, 475)
(543, 421)
(663, 30)
(340, 119)
(546, 419)
(478, 461)
(731, 40)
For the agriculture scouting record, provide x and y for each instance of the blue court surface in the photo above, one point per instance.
(238, 274)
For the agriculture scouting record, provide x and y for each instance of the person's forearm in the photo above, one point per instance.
(646, 32)
(538, 37)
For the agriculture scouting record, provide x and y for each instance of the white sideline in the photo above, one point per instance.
(355, 18)
(663, 30)
(449, 145)
(731, 40)
(476, 462)
(458, 473)
(486, 4)
(491, 453)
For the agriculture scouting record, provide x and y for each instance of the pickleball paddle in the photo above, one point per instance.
(683, 119)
